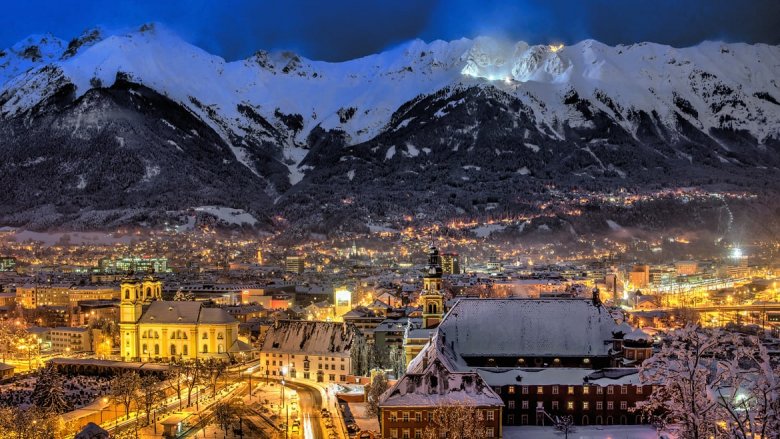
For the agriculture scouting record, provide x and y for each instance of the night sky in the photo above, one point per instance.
(343, 30)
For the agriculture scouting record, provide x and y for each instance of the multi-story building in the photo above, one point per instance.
(542, 357)
(294, 264)
(450, 263)
(639, 276)
(67, 339)
(7, 263)
(151, 328)
(408, 408)
(324, 352)
(133, 264)
(686, 268)
(67, 295)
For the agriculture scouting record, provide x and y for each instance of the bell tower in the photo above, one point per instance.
(130, 309)
(431, 298)
(151, 289)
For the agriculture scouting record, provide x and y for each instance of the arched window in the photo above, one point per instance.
(127, 293)
(205, 348)
(220, 348)
(145, 348)
(148, 292)
(205, 336)
(220, 336)
(156, 349)
(184, 350)
(156, 334)
(173, 349)
(184, 335)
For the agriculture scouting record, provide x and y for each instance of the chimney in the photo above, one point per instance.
(596, 297)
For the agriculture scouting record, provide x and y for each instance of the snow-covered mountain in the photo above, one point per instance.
(298, 132)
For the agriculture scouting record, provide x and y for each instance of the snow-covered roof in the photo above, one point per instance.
(310, 338)
(637, 335)
(437, 385)
(184, 312)
(564, 376)
(527, 327)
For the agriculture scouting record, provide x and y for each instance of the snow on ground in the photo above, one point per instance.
(381, 229)
(229, 215)
(614, 226)
(75, 238)
(79, 390)
(365, 422)
(390, 153)
(588, 432)
(485, 230)
(523, 171)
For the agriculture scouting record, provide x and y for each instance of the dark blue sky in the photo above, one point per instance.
(347, 29)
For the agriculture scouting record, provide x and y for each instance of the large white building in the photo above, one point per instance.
(324, 352)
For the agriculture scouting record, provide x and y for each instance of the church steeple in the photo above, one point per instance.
(431, 298)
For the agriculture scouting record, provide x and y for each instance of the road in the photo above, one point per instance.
(310, 402)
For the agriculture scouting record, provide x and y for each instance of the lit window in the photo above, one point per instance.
(639, 390)
(570, 405)
(585, 405)
(571, 390)
(585, 390)
(539, 390)
(511, 390)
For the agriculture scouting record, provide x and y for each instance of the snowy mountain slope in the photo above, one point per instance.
(470, 109)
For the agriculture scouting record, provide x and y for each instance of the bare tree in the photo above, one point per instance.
(192, 372)
(455, 422)
(174, 378)
(123, 389)
(225, 413)
(214, 369)
(149, 394)
(564, 424)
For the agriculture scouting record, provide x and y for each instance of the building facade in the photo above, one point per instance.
(153, 329)
(323, 352)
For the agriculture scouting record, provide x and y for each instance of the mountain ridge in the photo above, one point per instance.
(587, 112)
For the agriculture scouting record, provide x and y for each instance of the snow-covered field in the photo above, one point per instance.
(79, 390)
(589, 432)
(228, 215)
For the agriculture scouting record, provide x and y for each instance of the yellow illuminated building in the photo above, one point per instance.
(153, 329)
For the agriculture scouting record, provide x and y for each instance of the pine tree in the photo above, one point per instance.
(48, 393)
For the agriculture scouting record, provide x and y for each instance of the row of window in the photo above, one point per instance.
(184, 350)
(570, 390)
(274, 355)
(406, 433)
(405, 416)
(319, 366)
(570, 405)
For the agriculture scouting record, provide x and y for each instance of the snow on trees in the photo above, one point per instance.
(713, 382)
(49, 393)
